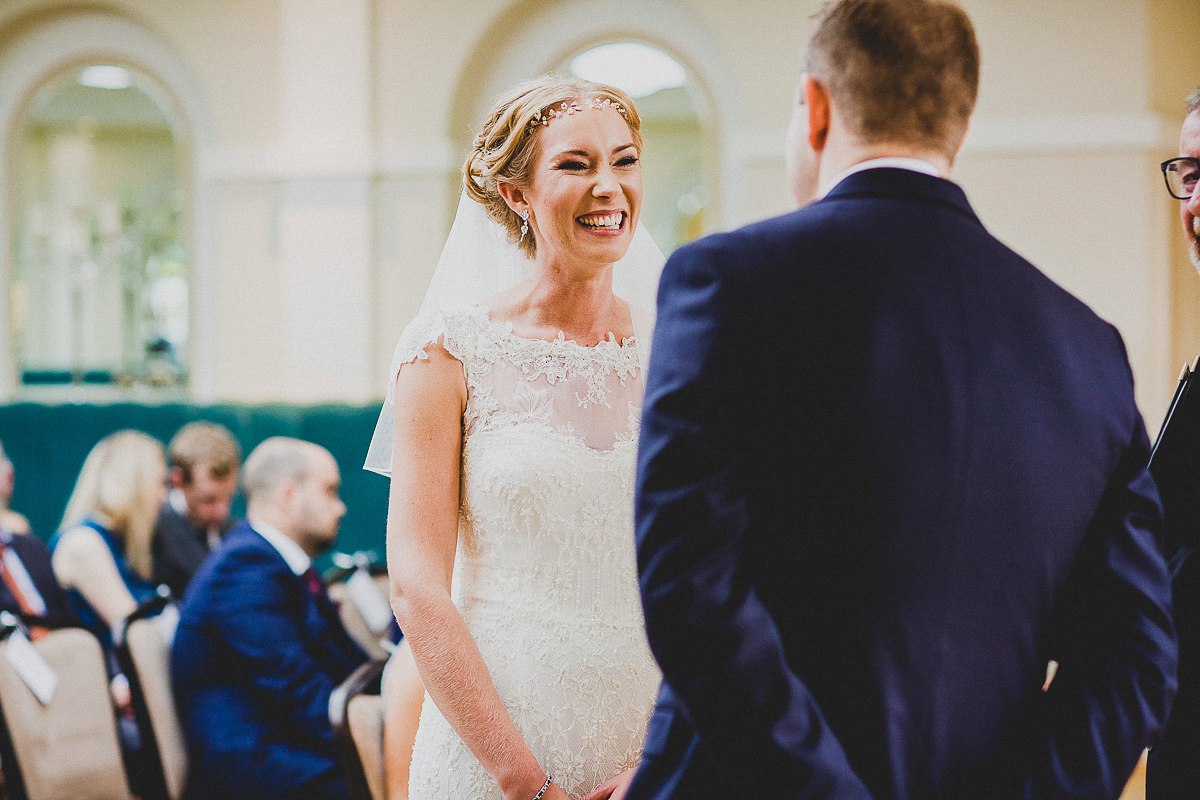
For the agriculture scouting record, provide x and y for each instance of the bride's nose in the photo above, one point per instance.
(606, 184)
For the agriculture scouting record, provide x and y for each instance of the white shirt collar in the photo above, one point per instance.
(178, 502)
(895, 162)
(292, 553)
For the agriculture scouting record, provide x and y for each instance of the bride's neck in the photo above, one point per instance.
(582, 307)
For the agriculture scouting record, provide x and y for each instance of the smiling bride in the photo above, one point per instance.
(510, 435)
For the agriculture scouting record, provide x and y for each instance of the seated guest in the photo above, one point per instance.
(203, 459)
(259, 647)
(9, 519)
(27, 584)
(102, 553)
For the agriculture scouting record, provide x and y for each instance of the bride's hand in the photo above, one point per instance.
(613, 788)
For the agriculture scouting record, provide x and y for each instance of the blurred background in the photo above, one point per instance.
(229, 209)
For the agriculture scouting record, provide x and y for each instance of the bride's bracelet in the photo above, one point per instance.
(545, 787)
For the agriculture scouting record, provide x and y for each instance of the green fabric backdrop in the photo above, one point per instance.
(47, 445)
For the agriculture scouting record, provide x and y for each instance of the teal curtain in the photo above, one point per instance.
(47, 445)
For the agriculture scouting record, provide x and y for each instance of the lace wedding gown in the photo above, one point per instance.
(544, 574)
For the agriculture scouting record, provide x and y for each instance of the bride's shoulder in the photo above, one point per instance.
(454, 332)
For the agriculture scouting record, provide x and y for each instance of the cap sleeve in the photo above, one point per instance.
(456, 332)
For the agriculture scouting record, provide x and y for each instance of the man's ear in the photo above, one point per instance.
(513, 195)
(287, 496)
(816, 98)
(962, 142)
(177, 481)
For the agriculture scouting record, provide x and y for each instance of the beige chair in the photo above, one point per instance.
(68, 749)
(356, 715)
(353, 620)
(145, 657)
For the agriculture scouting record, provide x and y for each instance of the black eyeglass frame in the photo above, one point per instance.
(1164, 166)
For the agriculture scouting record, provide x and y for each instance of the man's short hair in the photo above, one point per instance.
(276, 461)
(1193, 101)
(899, 70)
(204, 444)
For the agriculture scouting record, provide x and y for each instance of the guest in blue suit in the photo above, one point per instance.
(259, 646)
(888, 471)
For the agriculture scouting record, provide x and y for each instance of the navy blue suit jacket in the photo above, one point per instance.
(36, 560)
(254, 661)
(887, 470)
(1173, 771)
(178, 548)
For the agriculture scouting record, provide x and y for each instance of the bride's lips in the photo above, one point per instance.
(603, 222)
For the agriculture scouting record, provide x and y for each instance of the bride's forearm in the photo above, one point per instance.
(457, 680)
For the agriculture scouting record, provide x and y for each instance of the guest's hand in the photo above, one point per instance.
(121, 694)
(613, 788)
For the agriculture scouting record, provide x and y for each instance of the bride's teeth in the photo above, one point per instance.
(610, 221)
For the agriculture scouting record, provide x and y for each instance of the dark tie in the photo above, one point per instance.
(313, 581)
(316, 587)
(326, 608)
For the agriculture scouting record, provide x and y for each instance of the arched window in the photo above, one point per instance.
(100, 272)
(678, 186)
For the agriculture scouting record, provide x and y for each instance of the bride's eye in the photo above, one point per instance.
(572, 165)
(627, 161)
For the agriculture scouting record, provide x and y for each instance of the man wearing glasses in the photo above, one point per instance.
(1182, 174)
(1173, 770)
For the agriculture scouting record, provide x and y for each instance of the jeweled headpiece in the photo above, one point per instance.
(565, 109)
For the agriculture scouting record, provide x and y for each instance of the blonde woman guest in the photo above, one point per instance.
(510, 436)
(101, 555)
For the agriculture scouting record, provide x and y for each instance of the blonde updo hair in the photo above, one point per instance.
(506, 147)
(119, 484)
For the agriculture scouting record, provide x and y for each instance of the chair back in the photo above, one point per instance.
(68, 748)
(356, 716)
(364, 715)
(151, 659)
(353, 618)
(144, 652)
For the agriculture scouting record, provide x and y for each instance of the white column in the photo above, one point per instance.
(325, 84)
(324, 221)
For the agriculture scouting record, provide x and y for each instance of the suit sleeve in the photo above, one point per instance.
(719, 648)
(36, 559)
(166, 558)
(261, 615)
(1114, 639)
(1172, 771)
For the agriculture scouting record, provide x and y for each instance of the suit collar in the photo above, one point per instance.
(898, 162)
(902, 183)
(297, 560)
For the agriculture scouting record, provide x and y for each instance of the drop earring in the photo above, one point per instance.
(524, 224)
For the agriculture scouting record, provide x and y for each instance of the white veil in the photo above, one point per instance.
(478, 262)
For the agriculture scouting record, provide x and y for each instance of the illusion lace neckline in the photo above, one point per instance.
(627, 344)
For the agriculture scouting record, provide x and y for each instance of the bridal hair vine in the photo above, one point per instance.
(565, 109)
